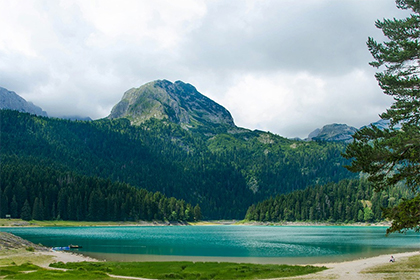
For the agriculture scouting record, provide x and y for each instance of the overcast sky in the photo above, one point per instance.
(282, 66)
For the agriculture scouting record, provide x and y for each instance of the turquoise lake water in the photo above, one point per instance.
(258, 244)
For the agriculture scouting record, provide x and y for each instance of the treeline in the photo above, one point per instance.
(346, 201)
(223, 173)
(34, 191)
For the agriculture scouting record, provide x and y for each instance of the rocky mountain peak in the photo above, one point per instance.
(177, 102)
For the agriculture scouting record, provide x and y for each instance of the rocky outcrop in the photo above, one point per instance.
(10, 241)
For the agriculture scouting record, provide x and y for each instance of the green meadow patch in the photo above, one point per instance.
(191, 270)
(15, 269)
(31, 271)
(154, 270)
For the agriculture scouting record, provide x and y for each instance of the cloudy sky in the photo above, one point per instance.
(277, 65)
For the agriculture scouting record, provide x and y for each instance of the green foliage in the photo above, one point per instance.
(224, 179)
(368, 214)
(58, 274)
(192, 270)
(26, 211)
(30, 249)
(392, 156)
(157, 157)
(13, 269)
(346, 201)
(405, 215)
(53, 194)
(274, 165)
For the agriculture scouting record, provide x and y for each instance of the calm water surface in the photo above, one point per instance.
(260, 244)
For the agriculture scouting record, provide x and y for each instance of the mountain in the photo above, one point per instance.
(333, 133)
(314, 134)
(167, 137)
(12, 101)
(178, 102)
(224, 174)
(342, 132)
(383, 124)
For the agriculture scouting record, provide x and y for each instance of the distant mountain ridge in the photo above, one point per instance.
(341, 132)
(12, 101)
(333, 133)
(177, 102)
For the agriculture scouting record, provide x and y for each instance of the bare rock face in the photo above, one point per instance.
(12, 101)
(177, 102)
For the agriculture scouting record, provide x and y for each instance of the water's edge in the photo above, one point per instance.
(247, 244)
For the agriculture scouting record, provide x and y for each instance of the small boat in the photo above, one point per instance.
(61, 248)
(75, 246)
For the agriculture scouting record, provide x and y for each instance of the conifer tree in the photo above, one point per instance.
(197, 213)
(38, 210)
(392, 156)
(14, 208)
(26, 212)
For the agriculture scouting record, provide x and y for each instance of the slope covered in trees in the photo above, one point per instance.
(160, 157)
(273, 165)
(34, 191)
(223, 173)
(345, 201)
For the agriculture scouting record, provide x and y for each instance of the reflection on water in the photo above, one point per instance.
(260, 244)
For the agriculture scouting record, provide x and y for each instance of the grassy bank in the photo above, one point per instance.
(155, 270)
(31, 271)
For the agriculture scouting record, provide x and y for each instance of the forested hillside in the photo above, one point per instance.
(345, 201)
(223, 173)
(31, 190)
(272, 164)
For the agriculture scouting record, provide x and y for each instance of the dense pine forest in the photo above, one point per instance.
(33, 191)
(223, 173)
(345, 201)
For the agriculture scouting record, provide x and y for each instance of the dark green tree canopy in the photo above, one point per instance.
(392, 156)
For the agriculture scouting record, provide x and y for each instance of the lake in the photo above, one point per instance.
(256, 244)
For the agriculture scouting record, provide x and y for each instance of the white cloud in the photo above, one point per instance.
(283, 66)
(160, 23)
(299, 103)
